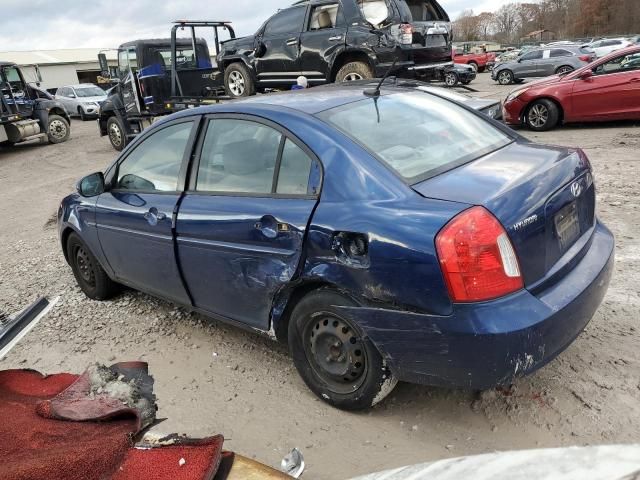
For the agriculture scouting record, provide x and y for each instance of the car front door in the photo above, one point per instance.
(613, 92)
(278, 62)
(134, 218)
(528, 64)
(324, 37)
(128, 65)
(242, 222)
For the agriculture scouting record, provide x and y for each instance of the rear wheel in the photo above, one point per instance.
(564, 70)
(542, 115)
(58, 129)
(334, 359)
(505, 77)
(354, 71)
(451, 79)
(83, 117)
(91, 278)
(115, 130)
(474, 66)
(238, 81)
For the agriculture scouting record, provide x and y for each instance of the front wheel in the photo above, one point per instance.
(451, 79)
(83, 117)
(474, 66)
(58, 129)
(354, 71)
(238, 81)
(505, 77)
(542, 115)
(116, 133)
(91, 278)
(565, 69)
(340, 365)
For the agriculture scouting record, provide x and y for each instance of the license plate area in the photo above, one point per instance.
(567, 225)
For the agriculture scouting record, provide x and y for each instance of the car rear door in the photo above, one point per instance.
(527, 65)
(279, 62)
(134, 218)
(242, 222)
(613, 92)
(551, 60)
(324, 37)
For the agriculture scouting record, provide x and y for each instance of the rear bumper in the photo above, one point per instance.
(488, 344)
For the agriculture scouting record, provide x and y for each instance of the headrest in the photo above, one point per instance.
(324, 19)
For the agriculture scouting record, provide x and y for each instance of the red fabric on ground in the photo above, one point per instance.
(34, 448)
(202, 460)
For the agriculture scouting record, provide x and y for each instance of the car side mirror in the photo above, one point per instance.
(260, 49)
(91, 185)
(586, 75)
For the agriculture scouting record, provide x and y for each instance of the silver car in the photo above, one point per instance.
(543, 62)
(83, 100)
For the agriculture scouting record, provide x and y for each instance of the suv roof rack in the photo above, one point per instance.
(203, 23)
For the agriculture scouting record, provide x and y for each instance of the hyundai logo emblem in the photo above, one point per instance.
(576, 189)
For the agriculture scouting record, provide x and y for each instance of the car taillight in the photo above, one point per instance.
(406, 34)
(477, 259)
(585, 58)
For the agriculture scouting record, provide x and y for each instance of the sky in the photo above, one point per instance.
(47, 25)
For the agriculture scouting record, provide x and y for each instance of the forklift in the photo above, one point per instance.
(28, 113)
(160, 77)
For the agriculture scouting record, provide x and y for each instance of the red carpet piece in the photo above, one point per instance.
(35, 447)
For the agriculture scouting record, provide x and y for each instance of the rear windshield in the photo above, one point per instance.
(423, 10)
(417, 134)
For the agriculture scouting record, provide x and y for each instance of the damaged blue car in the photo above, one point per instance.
(385, 234)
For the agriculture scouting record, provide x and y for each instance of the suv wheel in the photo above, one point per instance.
(339, 364)
(505, 77)
(542, 115)
(238, 81)
(564, 70)
(354, 71)
(451, 79)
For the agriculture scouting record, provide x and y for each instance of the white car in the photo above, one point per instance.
(83, 100)
(607, 45)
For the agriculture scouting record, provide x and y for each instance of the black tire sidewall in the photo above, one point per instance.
(63, 120)
(455, 76)
(368, 394)
(123, 142)
(361, 68)
(511, 77)
(104, 287)
(552, 120)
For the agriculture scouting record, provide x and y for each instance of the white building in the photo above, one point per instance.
(61, 67)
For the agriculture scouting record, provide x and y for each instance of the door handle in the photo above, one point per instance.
(635, 80)
(337, 38)
(292, 41)
(153, 216)
(270, 227)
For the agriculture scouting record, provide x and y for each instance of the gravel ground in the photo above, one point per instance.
(214, 378)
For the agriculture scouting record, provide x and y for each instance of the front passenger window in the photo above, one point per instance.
(324, 16)
(154, 165)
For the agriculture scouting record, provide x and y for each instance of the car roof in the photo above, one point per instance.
(6, 64)
(81, 85)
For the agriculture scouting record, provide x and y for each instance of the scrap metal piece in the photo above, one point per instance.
(23, 323)
(293, 464)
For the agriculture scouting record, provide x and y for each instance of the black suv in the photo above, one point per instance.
(339, 40)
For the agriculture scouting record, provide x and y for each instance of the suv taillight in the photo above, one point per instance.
(477, 259)
(406, 34)
(585, 58)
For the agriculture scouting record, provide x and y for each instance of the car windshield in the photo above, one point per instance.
(417, 135)
(85, 92)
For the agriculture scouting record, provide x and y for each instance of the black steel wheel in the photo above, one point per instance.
(333, 358)
(91, 278)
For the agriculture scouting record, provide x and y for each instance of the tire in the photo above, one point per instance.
(451, 79)
(505, 77)
(354, 71)
(116, 133)
(542, 115)
(349, 374)
(7, 144)
(238, 81)
(474, 65)
(91, 278)
(58, 129)
(563, 70)
(83, 117)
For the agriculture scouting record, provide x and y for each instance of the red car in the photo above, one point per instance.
(607, 89)
(478, 61)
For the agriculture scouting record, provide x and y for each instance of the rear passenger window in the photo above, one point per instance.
(325, 16)
(558, 52)
(295, 168)
(537, 55)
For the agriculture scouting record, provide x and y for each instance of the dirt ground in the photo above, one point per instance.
(212, 378)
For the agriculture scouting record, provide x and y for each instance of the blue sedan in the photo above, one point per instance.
(389, 235)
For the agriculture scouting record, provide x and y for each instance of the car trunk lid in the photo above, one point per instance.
(432, 35)
(543, 196)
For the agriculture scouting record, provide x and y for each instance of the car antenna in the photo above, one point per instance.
(375, 92)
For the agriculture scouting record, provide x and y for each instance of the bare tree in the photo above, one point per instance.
(507, 21)
(466, 26)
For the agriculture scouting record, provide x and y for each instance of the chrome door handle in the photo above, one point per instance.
(153, 216)
(336, 38)
(292, 41)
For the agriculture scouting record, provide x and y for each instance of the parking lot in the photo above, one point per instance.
(215, 378)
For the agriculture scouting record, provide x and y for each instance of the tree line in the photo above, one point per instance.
(565, 18)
